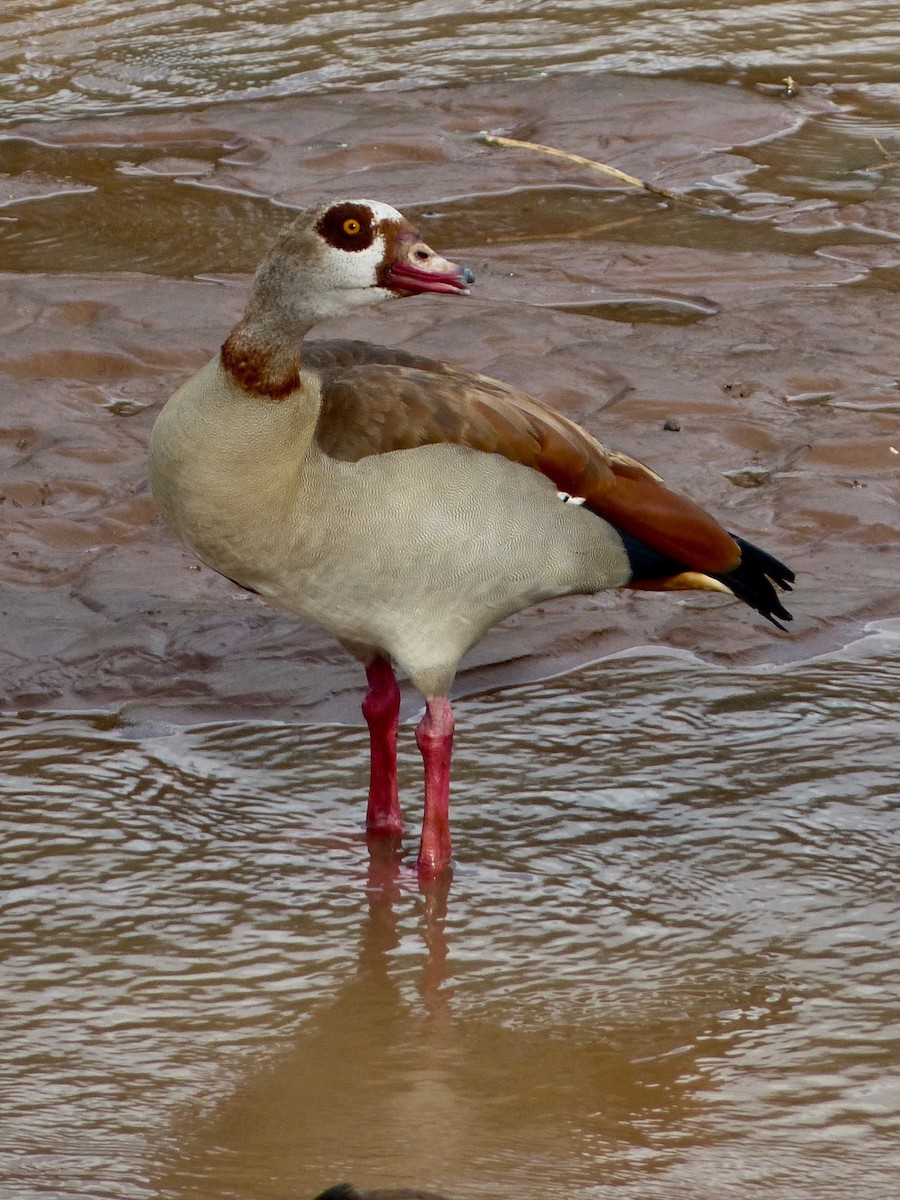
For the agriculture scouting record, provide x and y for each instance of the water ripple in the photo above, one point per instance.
(690, 867)
(93, 57)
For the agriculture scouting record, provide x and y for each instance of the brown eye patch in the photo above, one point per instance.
(347, 226)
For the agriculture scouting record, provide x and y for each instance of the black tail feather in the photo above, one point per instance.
(754, 580)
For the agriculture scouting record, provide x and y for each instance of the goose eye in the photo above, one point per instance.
(351, 226)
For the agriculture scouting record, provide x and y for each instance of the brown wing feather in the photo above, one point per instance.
(375, 400)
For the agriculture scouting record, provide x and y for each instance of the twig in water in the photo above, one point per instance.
(889, 162)
(493, 139)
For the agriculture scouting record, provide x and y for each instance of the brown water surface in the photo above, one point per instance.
(667, 964)
(106, 56)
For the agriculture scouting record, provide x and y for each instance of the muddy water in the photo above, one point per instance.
(667, 963)
(666, 966)
(108, 56)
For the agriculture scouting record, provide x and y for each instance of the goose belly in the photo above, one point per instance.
(418, 552)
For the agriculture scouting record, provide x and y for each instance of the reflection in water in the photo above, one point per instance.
(367, 1091)
(664, 969)
(381, 1087)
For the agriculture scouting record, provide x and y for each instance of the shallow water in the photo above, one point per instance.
(72, 56)
(667, 963)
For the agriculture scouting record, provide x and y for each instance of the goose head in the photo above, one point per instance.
(348, 253)
(328, 261)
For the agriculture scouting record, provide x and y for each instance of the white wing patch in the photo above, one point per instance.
(568, 498)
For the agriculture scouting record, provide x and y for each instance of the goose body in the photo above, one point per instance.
(402, 504)
(371, 550)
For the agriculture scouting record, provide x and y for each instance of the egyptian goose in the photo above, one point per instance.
(404, 504)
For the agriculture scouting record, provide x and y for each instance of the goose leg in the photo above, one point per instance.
(381, 709)
(434, 737)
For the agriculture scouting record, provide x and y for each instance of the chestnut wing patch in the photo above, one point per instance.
(375, 399)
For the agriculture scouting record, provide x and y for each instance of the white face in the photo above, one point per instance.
(357, 238)
(356, 252)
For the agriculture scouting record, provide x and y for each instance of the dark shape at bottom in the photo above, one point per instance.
(346, 1191)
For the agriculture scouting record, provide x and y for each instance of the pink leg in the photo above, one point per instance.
(434, 737)
(381, 708)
